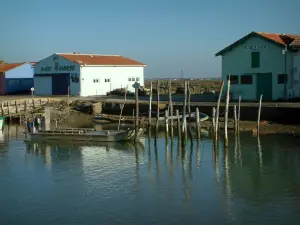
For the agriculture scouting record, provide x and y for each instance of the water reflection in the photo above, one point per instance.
(200, 181)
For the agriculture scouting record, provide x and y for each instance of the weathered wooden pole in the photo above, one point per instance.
(213, 119)
(239, 113)
(167, 123)
(235, 120)
(218, 111)
(198, 123)
(47, 119)
(171, 108)
(150, 105)
(69, 106)
(122, 108)
(136, 112)
(259, 111)
(184, 131)
(178, 124)
(133, 118)
(157, 112)
(189, 101)
(226, 112)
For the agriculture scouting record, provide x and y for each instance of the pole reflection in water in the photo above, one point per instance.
(260, 155)
(198, 155)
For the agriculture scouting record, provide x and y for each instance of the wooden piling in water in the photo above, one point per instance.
(7, 103)
(136, 112)
(150, 105)
(167, 122)
(235, 120)
(157, 112)
(218, 111)
(198, 123)
(259, 111)
(69, 106)
(47, 120)
(171, 108)
(184, 130)
(239, 113)
(2, 109)
(213, 119)
(122, 108)
(226, 112)
(178, 124)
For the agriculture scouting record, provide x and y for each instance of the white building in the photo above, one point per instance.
(87, 74)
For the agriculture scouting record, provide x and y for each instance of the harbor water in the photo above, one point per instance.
(254, 181)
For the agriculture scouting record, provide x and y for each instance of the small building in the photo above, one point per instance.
(85, 74)
(15, 77)
(261, 63)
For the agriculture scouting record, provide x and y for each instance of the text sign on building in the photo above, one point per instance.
(57, 68)
(256, 47)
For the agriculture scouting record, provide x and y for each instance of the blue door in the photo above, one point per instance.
(264, 86)
(60, 83)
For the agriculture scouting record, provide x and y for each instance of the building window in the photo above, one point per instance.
(96, 80)
(255, 59)
(246, 79)
(129, 79)
(282, 78)
(132, 79)
(107, 80)
(234, 79)
(137, 79)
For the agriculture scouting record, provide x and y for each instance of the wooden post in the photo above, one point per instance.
(47, 120)
(171, 108)
(2, 109)
(68, 106)
(136, 112)
(40, 102)
(33, 105)
(226, 112)
(189, 101)
(150, 105)
(239, 113)
(213, 119)
(259, 111)
(8, 108)
(235, 120)
(184, 132)
(122, 108)
(133, 118)
(157, 113)
(16, 105)
(167, 122)
(178, 124)
(218, 110)
(198, 123)
(25, 106)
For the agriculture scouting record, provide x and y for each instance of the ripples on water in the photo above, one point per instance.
(254, 181)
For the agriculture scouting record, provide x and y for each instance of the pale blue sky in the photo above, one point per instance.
(166, 35)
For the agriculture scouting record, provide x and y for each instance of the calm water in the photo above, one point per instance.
(253, 182)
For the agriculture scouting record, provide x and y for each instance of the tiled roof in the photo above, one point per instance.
(296, 43)
(101, 60)
(281, 39)
(8, 66)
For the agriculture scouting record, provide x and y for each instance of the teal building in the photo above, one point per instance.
(262, 64)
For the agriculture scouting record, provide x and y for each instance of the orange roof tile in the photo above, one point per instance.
(8, 66)
(103, 60)
(281, 39)
(296, 43)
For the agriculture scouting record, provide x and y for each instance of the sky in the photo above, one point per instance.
(167, 35)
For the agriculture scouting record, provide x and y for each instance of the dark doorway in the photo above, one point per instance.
(60, 83)
(264, 86)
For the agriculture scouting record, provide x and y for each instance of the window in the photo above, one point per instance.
(137, 79)
(129, 79)
(96, 80)
(246, 79)
(132, 79)
(255, 59)
(234, 79)
(282, 78)
(107, 80)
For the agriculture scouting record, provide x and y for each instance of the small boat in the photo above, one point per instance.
(202, 116)
(2, 122)
(83, 134)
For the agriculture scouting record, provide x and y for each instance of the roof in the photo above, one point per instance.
(280, 39)
(296, 43)
(9, 66)
(100, 60)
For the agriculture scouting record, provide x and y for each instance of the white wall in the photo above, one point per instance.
(296, 76)
(119, 77)
(53, 65)
(23, 71)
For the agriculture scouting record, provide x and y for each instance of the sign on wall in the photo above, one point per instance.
(57, 67)
(255, 47)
